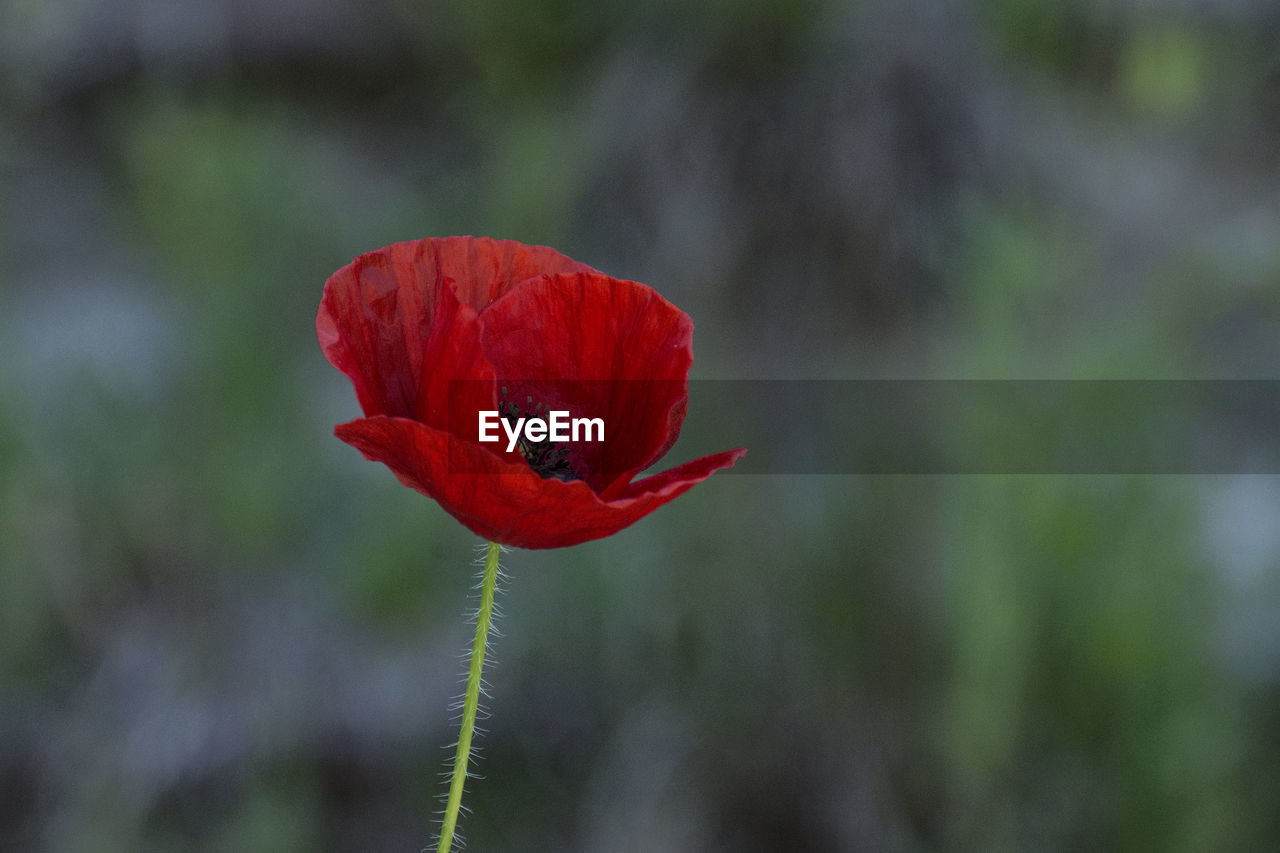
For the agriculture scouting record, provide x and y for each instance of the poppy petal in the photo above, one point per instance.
(485, 269)
(606, 348)
(377, 312)
(373, 320)
(683, 476)
(452, 352)
(507, 502)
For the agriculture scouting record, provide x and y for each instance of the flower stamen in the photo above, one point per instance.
(548, 459)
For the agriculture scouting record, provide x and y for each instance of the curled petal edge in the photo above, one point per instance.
(506, 501)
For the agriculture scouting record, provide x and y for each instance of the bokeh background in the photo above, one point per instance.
(223, 630)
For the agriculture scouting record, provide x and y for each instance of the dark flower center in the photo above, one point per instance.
(550, 460)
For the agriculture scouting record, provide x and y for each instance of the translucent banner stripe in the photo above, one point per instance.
(969, 426)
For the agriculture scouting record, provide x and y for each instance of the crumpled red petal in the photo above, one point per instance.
(376, 315)
(606, 348)
(507, 502)
(452, 352)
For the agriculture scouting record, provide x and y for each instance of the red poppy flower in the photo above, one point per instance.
(435, 331)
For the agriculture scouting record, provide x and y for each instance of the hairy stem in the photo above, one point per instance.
(471, 699)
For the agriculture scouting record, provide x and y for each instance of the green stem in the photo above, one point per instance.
(472, 698)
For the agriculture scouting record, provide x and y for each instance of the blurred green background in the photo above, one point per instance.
(221, 629)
